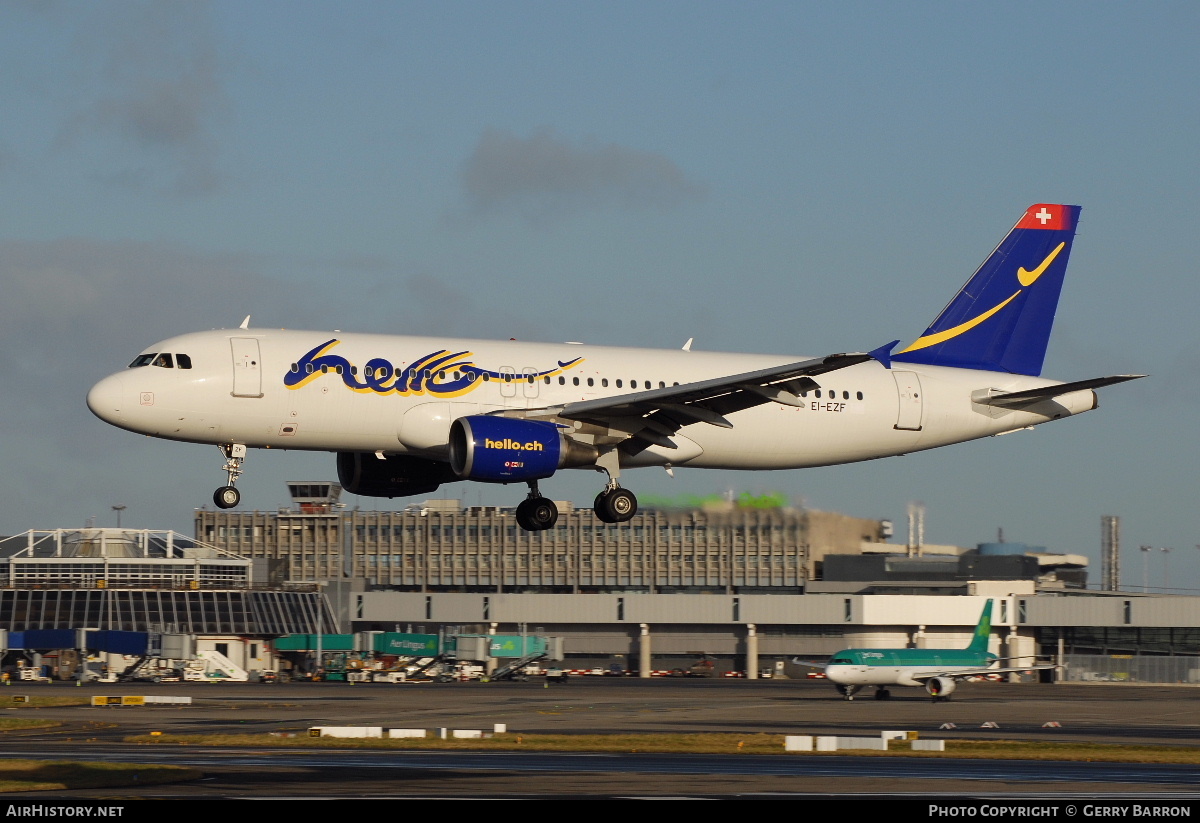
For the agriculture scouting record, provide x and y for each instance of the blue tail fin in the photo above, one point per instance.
(983, 631)
(1000, 320)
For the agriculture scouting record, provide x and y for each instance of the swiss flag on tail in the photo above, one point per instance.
(1047, 216)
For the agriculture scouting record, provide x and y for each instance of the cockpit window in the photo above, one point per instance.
(163, 360)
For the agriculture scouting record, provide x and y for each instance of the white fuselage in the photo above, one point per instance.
(236, 391)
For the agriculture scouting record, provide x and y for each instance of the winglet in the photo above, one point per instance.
(245, 323)
(884, 354)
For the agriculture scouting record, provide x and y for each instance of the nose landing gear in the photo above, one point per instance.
(227, 497)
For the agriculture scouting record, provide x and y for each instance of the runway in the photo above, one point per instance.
(1162, 715)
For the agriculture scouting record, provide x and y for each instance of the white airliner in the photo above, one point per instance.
(406, 414)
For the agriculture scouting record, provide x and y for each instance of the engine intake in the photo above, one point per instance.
(504, 449)
(940, 686)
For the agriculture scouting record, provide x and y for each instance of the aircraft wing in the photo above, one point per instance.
(960, 673)
(651, 417)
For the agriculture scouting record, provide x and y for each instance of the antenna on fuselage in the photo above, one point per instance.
(245, 323)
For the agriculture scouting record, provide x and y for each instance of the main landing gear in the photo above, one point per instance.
(227, 497)
(614, 504)
(536, 513)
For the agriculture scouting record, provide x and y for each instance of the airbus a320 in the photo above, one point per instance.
(407, 414)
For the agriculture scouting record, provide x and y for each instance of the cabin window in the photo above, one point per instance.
(661, 384)
(295, 368)
(604, 382)
(562, 381)
(308, 368)
(845, 395)
(591, 382)
(575, 381)
(860, 397)
(487, 378)
(618, 384)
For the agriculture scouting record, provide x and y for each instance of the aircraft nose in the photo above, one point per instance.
(109, 400)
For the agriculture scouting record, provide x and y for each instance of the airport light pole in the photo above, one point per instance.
(1145, 567)
(118, 509)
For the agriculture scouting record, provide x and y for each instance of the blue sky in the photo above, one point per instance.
(797, 178)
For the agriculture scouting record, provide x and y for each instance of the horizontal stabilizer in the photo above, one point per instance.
(1031, 396)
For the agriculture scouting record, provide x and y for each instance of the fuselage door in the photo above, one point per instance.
(508, 382)
(529, 382)
(247, 367)
(908, 387)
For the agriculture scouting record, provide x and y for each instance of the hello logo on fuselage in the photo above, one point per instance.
(440, 374)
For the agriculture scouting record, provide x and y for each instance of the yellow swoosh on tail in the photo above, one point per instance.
(1027, 278)
(942, 336)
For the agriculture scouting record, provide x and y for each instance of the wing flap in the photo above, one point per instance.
(664, 411)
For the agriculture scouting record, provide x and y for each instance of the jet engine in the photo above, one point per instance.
(507, 449)
(396, 476)
(940, 686)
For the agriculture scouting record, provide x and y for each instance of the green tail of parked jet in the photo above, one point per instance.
(938, 670)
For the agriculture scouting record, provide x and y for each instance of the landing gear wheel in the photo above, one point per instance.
(227, 497)
(615, 505)
(882, 694)
(600, 507)
(537, 514)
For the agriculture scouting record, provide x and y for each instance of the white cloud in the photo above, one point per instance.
(545, 176)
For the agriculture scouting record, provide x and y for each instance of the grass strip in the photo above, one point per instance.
(698, 744)
(59, 775)
(8, 724)
(38, 702)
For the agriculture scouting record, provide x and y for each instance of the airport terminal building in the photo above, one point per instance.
(749, 588)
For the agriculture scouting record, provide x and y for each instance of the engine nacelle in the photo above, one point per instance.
(396, 476)
(940, 686)
(508, 449)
